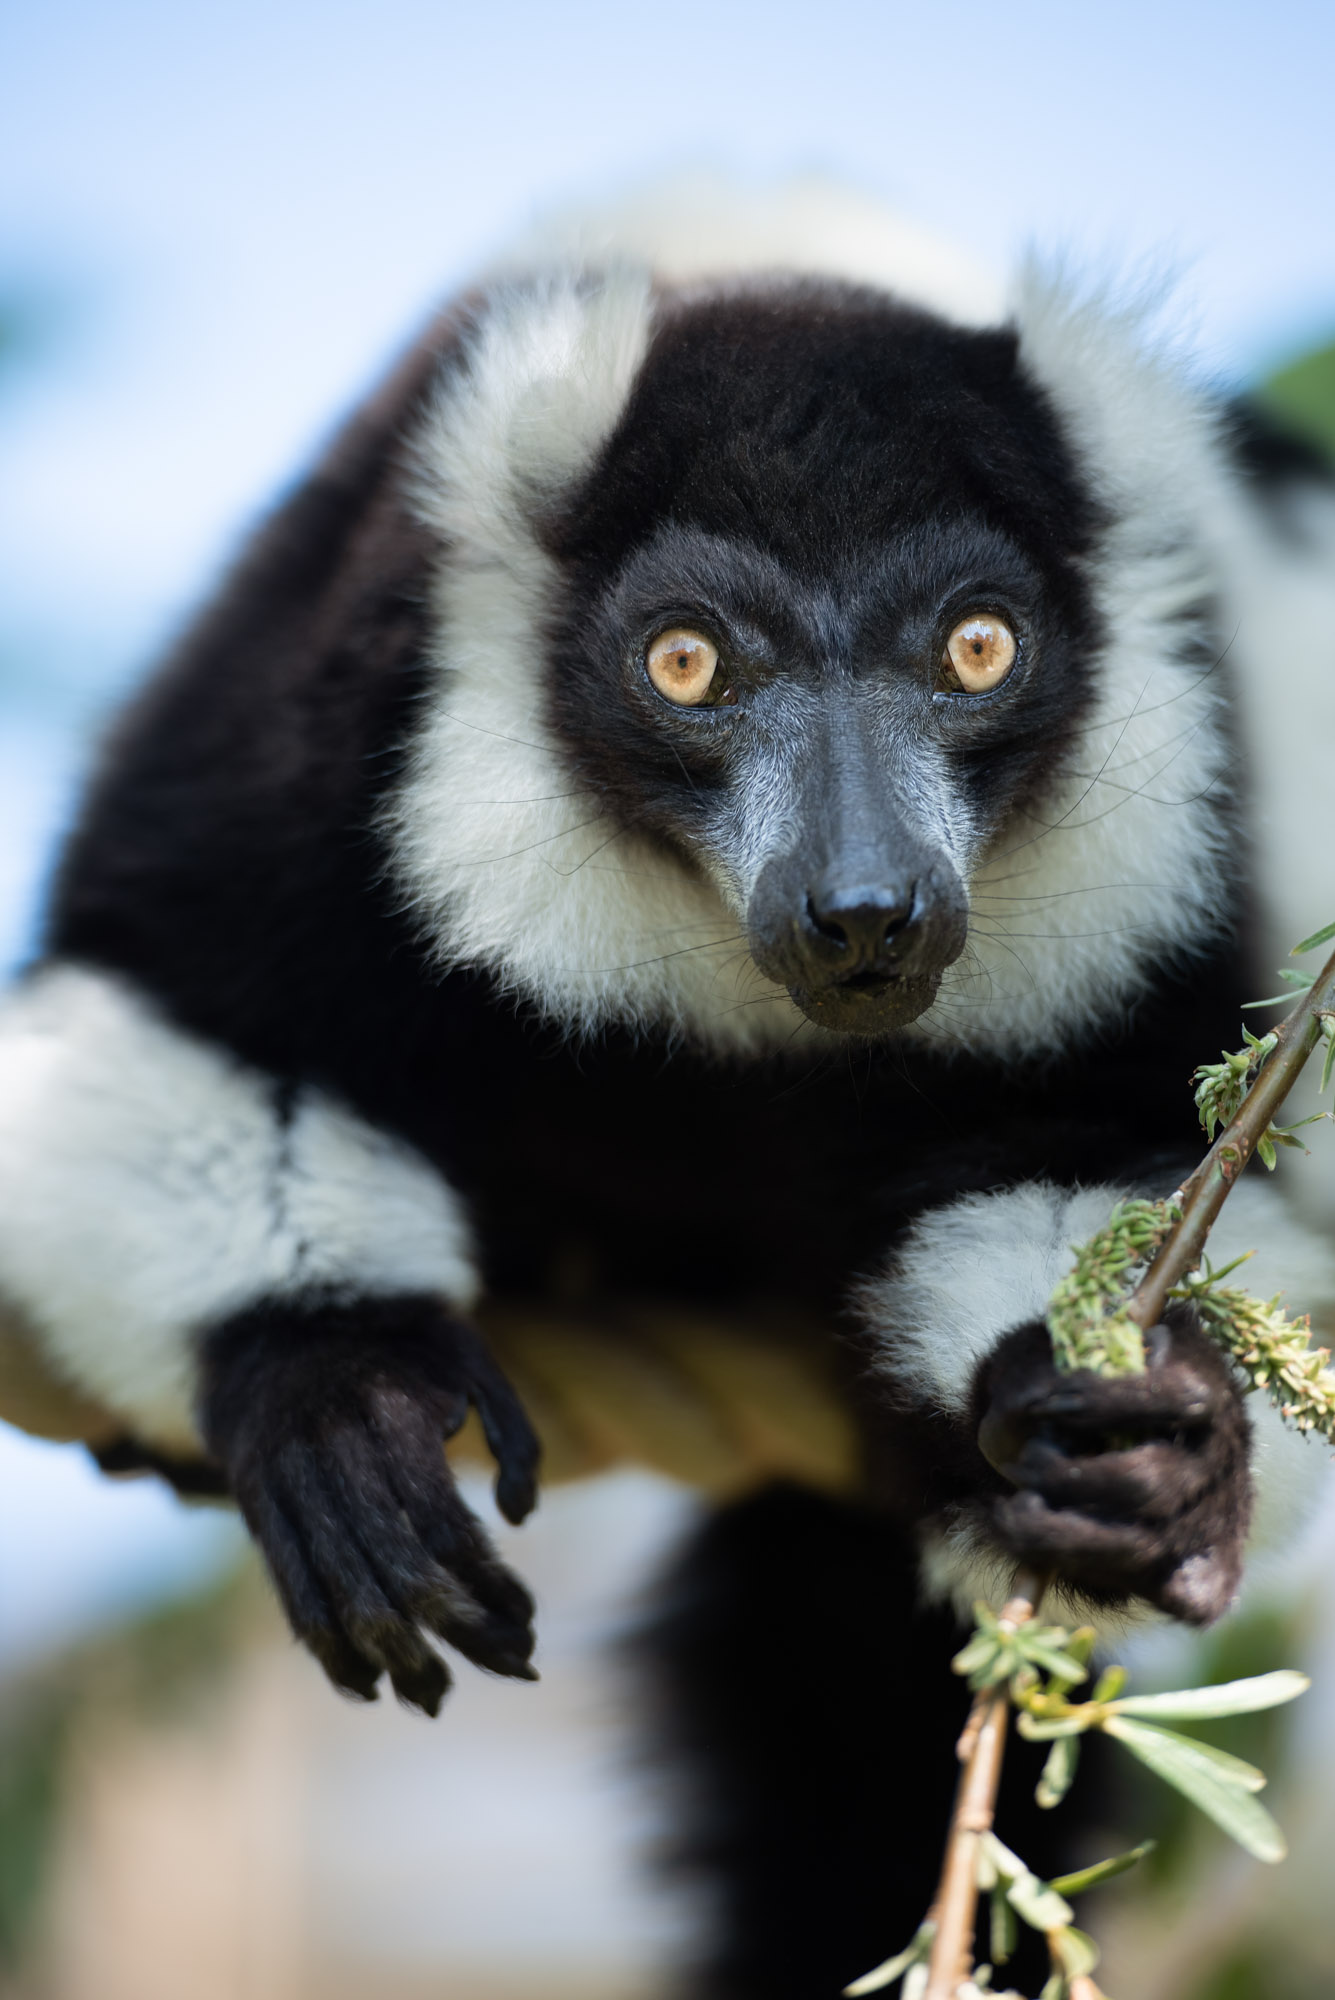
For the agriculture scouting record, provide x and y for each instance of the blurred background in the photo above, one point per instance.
(216, 224)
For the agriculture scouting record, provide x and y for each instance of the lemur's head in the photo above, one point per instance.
(801, 662)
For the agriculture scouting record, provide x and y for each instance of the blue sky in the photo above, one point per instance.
(244, 207)
(235, 212)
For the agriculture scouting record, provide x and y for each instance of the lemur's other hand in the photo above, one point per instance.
(1138, 1485)
(329, 1421)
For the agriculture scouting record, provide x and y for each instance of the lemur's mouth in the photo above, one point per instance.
(868, 1002)
(870, 981)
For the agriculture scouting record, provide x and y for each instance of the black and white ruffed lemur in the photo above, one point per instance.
(751, 770)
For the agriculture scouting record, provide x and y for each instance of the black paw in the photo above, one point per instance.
(330, 1420)
(1138, 1486)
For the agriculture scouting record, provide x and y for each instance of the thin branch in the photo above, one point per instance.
(980, 1748)
(1205, 1193)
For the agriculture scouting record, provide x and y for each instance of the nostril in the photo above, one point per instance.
(861, 920)
(825, 925)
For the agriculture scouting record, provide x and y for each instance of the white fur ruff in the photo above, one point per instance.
(511, 865)
(148, 1189)
(514, 867)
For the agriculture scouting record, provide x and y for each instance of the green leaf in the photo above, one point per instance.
(1230, 1770)
(1297, 982)
(1046, 1729)
(1055, 1988)
(1082, 1642)
(1323, 936)
(979, 1652)
(1042, 1652)
(1109, 1684)
(1038, 1904)
(1058, 1772)
(915, 1953)
(1179, 1762)
(1075, 1951)
(995, 1858)
(1226, 1698)
(1100, 1871)
(1328, 1030)
(1004, 1931)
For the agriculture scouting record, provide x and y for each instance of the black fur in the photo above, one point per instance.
(1142, 1478)
(823, 480)
(806, 1724)
(330, 1419)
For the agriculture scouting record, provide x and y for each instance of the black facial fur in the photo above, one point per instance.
(825, 515)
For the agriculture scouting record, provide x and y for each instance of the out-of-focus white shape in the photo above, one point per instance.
(706, 225)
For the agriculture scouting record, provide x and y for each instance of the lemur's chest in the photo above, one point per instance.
(635, 1170)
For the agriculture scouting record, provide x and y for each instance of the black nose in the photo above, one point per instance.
(855, 924)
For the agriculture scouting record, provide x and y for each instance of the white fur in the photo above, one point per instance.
(970, 1272)
(513, 866)
(1074, 911)
(707, 228)
(148, 1188)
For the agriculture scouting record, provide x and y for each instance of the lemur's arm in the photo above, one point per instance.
(1142, 1488)
(264, 1288)
(198, 1226)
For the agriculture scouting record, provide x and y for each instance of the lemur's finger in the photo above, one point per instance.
(1202, 1586)
(378, 1628)
(1191, 1581)
(510, 1436)
(1091, 1549)
(424, 1489)
(1153, 1480)
(309, 1611)
(428, 1554)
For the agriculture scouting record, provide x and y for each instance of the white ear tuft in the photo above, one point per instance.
(543, 383)
(1146, 435)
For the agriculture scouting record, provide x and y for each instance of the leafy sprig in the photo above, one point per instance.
(1273, 1351)
(1039, 1666)
(1092, 1317)
(1086, 1323)
(1097, 1322)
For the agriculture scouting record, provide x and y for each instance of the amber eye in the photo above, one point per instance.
(979, 654)
(681, 666)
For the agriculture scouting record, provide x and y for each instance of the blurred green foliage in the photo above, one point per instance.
(1302, 396)
(157, 1668)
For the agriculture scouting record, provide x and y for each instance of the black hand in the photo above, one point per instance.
(329, 1419)
(1140, 1485)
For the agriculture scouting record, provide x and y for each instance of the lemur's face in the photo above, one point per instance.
(826, 631)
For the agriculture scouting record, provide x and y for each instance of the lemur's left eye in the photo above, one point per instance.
(979, 654)
(683, 665)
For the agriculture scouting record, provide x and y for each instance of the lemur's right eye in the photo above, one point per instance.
(979, 654)
(682, 666)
